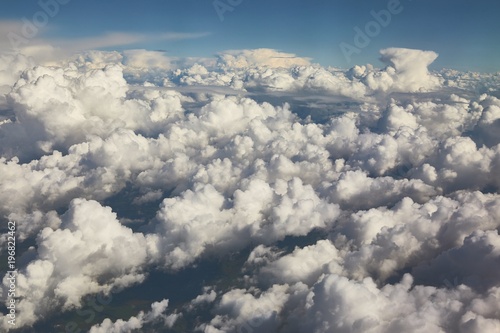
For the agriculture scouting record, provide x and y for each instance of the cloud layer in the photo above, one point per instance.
(399, 177)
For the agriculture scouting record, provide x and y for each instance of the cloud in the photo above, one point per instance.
(291, 209)
(361, 195)
(89, 246)
(35, 43)
(461, 263)
(241, 310)
(302, 265)
(260, 57)
(410, 68)
(137, 322)
(114, 39)
(145, 59)
(336, 303)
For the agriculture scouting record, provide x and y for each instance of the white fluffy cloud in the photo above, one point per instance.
(143, 59)
(398, 182)
(91, 252)
(260, 57)
(410, 68)
(259, 212)
(137, 322)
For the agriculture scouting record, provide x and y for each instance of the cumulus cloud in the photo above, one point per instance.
(91, 252)
(137, 322)
(387, 208)
(336, 303)
(343, 305)
(410, 68)
(289, 209)
(145, 59)
(302, 265)
(260, 57)
(462, 264)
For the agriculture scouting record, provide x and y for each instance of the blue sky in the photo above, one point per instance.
(466, 34)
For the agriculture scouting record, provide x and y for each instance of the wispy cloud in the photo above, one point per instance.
(108, 39)
(44, 48)
(114, 39)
